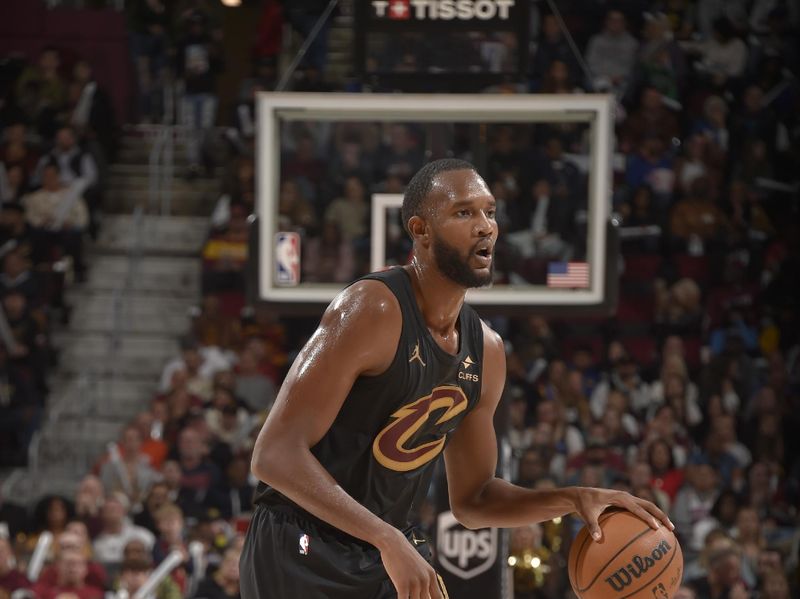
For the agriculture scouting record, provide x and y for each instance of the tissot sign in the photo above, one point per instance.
(445, 10)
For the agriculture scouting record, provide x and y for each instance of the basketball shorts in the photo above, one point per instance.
(289, 556)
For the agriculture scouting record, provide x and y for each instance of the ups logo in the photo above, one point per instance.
(638, 565)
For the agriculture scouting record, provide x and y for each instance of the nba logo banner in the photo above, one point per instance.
(287, 259)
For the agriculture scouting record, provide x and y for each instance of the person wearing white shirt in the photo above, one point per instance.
(117, 531)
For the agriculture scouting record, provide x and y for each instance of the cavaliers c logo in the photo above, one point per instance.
(389, 446)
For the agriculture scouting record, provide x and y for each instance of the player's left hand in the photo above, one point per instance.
(591, 502)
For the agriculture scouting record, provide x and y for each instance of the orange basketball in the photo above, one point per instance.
(631, 561)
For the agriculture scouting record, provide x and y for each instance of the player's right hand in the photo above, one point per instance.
(411, 575)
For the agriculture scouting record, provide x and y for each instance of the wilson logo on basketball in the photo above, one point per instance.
(638, 565)
(394, 446)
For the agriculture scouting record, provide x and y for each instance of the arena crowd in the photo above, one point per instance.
(688, 395)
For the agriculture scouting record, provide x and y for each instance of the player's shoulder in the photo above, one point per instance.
(492, 341)
(367, 302)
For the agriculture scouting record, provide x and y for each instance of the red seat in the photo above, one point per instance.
(642, 349)
(693, 267)
(641, 267)
(636, 308)
(691, 351)
(231, 303)
(594, 344)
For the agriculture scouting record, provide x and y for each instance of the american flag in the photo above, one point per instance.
(567, 274)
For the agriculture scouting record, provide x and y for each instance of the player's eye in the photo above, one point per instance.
(491, 213)
(464, 212)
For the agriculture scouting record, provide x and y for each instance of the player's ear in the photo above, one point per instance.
(418, 227)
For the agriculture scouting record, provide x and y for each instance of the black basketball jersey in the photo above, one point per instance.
(392, 428)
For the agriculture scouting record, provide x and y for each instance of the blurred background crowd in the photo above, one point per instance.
(688, 395)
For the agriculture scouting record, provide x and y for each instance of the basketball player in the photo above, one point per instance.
(399, 371)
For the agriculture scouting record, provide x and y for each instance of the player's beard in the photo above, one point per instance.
(456, 267)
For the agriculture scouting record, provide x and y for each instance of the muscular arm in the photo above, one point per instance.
(358, 335)
(479, 499)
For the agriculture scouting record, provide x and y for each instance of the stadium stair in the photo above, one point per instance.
(125, 321)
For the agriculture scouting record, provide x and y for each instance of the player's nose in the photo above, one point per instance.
(484, 225)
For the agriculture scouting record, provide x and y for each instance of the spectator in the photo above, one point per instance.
(724, 575)
(128, 469)
(611, 55)
(661, 62)
(198, 474)
(775, 585)
(651, 119)
(624, 377)
(350, 213)
(41, 92)
(70, 579)
(698, 217)
(211, 327)
(722, 58)
(75, 165)
(303, 16)
(92, 114)
(666, 476)
(552, 47)
(171, 533)
(227, 421)
(329, 258)
(694, 501)
(234, 497)
(11, 578)
(59, 216)
(198, 62)
(15, 233)
(294, 209)
(223, 583)
(198, 363)
(75, 538)
(225, 254)
(17, 275)
(240, 189)
(51, 515)
(698, 161)
(117, 530)
(148, 24)
(135, 572)
(18, 147)
(157, 497)
(714, 125)
(89, 499)
(153, 446)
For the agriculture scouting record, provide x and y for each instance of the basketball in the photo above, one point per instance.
(632, 560)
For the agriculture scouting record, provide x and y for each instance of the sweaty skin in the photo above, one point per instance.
(358, 336)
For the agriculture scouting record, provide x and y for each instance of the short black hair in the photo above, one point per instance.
(420, 185)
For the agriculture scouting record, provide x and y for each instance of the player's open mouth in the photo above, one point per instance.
(483, 253)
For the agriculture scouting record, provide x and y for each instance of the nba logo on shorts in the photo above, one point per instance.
(287, 259)
(304, 541)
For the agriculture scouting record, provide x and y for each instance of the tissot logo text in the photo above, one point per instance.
(445, 10)
(637, 566)
(395, 447)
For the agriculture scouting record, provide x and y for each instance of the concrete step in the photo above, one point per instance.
(96, 313)
(180, 206)
(142, 169)
(182, 191)
(108, 398)
(174, 277)
(135, 357)
(166, 235)
(141, 180)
